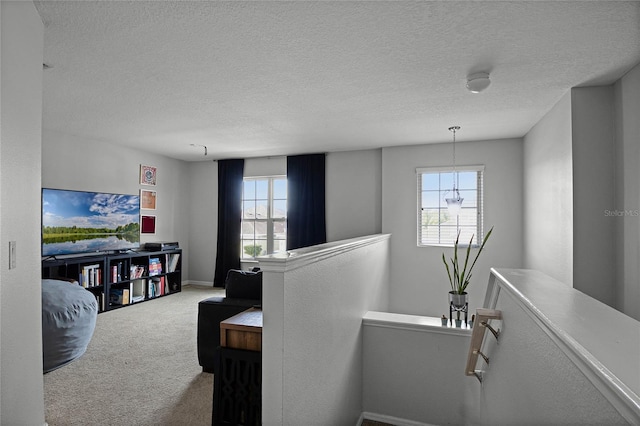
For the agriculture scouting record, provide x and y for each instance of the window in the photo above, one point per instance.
(264, 216)
(435, 225)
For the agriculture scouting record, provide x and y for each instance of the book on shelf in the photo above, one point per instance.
(155, 266)
(115, 296)
(100, 300)
(116, 272)
(136, 271)
(119, 296)
(151, 290)
(156, 287)
(90, 276)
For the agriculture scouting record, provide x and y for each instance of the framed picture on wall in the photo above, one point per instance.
(147, 224)
(147, 199)
(147, 175)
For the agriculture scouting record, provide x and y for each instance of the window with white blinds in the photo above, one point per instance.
(436, 226)
(264, 216)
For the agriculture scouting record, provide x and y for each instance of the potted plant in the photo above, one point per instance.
(460, 277)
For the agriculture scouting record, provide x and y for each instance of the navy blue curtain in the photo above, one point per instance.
(230, 174)
(306, 223)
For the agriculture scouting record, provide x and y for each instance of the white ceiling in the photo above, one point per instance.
(251, 79)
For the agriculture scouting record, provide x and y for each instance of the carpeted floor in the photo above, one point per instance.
(141, 368)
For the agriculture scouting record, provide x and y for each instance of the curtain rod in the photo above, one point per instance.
(271, 157)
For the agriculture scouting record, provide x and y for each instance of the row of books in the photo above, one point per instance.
(158, 287)
(155, 266)
(135, 291)
(100, 300)
(139, 271)
(90, 276)
(135, 271)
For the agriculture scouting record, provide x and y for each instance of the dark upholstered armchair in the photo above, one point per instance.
(243, 290)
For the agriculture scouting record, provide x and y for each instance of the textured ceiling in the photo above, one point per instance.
(250, 79)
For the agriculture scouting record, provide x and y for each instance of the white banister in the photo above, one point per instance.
(602, 342)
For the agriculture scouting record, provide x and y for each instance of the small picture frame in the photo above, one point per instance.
(148, 199)
(147, 175)
(147, 224)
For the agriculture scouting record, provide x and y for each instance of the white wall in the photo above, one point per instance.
(353, 194)
(548, 189)
(593, 159)
(203, 221)
(313, 304)
(627, 130)
(581, 197)
(21, 388)
(414, 371)
(71, 162)
(265, 166)
(419, 284)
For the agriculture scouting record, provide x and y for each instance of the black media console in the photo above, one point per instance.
(121, 279)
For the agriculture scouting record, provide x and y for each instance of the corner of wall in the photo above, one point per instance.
(21, 383)
(548, 202)
(592, 126)
(626, 103)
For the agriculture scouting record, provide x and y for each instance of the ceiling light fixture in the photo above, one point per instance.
(477, 82)
(203, 146)
(454, 203)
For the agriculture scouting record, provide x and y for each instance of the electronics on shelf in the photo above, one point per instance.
(161, 245)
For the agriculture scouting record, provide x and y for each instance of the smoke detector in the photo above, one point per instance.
(477, 82)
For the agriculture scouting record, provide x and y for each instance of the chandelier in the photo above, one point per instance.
(454, 202)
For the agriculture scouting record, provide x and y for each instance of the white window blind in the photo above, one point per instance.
(264, 216)
(436, 227)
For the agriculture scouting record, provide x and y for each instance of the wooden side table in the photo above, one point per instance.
(237, 396)
(243, 331)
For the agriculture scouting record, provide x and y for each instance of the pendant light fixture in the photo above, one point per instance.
(454, 202)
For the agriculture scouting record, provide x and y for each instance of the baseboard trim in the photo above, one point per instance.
(200, 283)
(389, 419)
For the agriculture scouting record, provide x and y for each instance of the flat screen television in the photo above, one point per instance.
(75, 222)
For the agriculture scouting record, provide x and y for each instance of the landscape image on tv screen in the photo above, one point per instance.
(87, 222)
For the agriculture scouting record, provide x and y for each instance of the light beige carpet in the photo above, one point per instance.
(141, 368)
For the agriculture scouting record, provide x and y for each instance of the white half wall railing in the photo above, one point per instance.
(414, 371)
(561, 358)
(577, 356)
(313, 303)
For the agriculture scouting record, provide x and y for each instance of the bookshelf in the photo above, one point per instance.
(122, 279)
